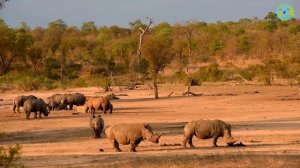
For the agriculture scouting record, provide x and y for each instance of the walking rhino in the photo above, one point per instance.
(36, 105)
(19, 102)
(131, 134)
(206, 129)
(101, 103)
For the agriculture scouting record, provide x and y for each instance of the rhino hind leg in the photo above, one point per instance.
(18, 109)
(35, 114)
(116, 146)
(188, 137)
(215, 139)
(190, 141)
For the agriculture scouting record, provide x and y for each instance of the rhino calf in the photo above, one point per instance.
(35, 105)
(19, 102)
(206, 129)
(131, 134)
(97, 125)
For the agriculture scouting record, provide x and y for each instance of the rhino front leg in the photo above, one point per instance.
(27, 115)
(133, 144)
(116, 146)
(99, 132)
(111, 109)
(215, 139)
(94, 133)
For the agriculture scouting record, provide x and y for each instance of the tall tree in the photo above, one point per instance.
(13, 43)
(157, 52)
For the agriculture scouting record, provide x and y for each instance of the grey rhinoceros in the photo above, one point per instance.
(97, 125)
(206, 129)
(19, 102)
(36, 105)
(131, 134)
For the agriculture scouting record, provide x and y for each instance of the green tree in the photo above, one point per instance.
(271, 22)
(13, 43)
(88, 27)
(158, 53)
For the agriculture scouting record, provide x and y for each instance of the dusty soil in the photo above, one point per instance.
(265, 118)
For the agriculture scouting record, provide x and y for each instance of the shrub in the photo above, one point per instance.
(9, 156)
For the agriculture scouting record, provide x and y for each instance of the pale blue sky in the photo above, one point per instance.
(121, 12)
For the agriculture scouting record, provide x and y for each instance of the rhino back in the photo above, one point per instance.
(79, 99)
(205, 129)
(123, 133)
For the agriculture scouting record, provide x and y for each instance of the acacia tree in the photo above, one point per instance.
(157, 51)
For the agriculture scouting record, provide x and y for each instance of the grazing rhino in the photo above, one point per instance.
(205, 129)
(101, 103)
(57, 101)
(19, 102)
(77, 99)
(131, 134)
(97, 125)
(36, 105)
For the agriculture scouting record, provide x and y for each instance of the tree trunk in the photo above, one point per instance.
(155, 89)
(61, 74)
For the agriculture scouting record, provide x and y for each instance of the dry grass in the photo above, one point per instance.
(235, 160)
(268, 125)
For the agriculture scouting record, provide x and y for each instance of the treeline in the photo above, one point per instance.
(63, 56)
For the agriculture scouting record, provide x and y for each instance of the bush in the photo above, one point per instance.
(9, 156)
(210, 73)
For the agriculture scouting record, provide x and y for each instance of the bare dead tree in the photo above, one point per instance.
(142, 34)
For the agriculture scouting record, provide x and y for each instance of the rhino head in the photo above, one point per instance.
(227, 135)
(150, 136)
(154, 138)
(96, 122)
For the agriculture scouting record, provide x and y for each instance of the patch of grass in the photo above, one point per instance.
(207, 161)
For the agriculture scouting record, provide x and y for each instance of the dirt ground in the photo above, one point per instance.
(265, 118)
